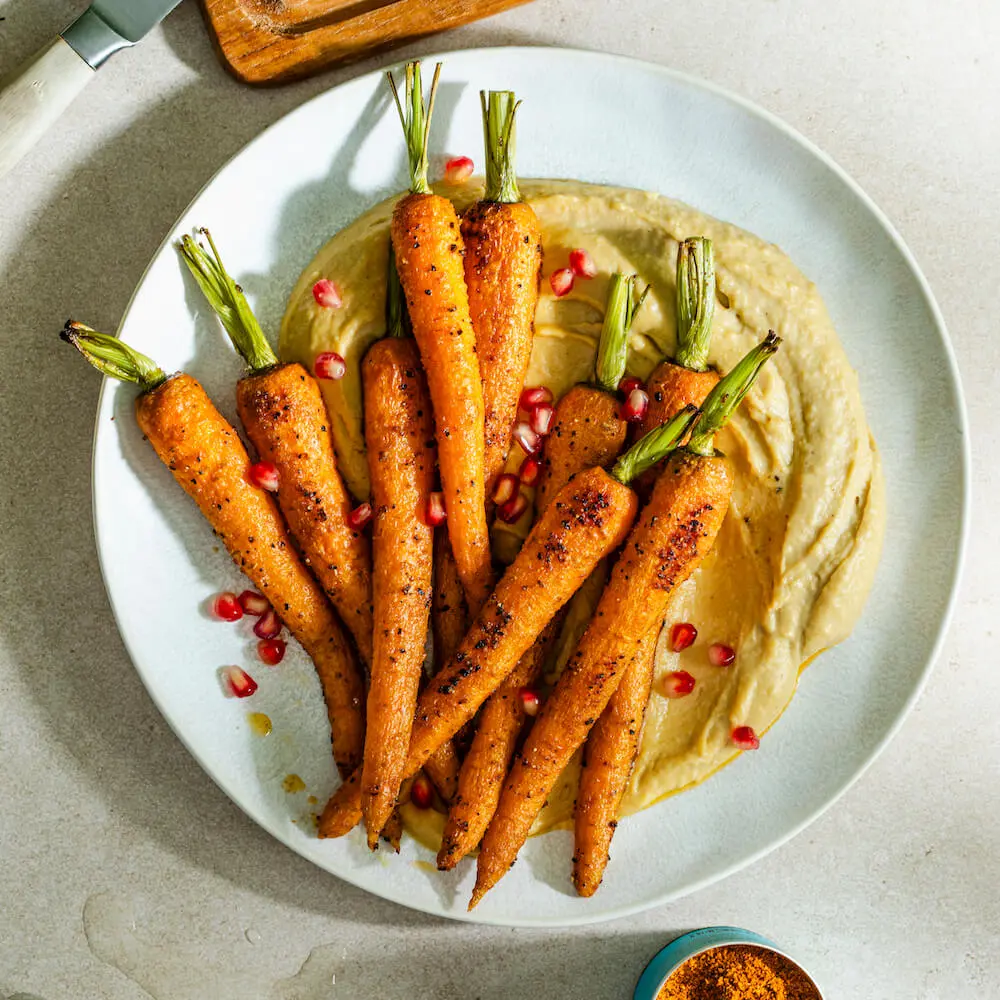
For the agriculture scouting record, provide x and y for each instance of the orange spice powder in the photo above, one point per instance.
(738, 972)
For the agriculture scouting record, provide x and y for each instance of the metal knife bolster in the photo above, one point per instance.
(93, 39)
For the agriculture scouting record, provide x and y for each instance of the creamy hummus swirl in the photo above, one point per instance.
(795, 560)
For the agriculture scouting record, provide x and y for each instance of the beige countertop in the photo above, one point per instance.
(124, 871)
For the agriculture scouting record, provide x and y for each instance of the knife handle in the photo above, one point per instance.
(35, 95)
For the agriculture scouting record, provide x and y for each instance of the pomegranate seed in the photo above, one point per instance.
(505, 488)
(268, 625)
(226, 607)
(530, 470)
(327, 294)
(421, 792)
(458, 170)
(529, 701)
(271, 651)
(682, 635)
(527, 438)
(264, 475)
(677, 684)
(582, 264)
(253, 603)
(541, 419)
(720, 655)
(745, 738)
(628, 383)
(561, 282)
(512, 510)
(535, 395)
(360, 516)
(635, 406)
(436, 512)
(238, 682)
(329, 365)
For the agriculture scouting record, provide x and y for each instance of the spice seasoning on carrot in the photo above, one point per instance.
(738, 972)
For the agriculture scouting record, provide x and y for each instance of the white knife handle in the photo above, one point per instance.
(35, 96)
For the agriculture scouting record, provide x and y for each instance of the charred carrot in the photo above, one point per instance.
(613, 743)
(672, 536)
(449, 612)
(207, 458)
(585, 522)
(503, 267)
(400, 441)
(587, 431)
(426, 235)
(282, 410)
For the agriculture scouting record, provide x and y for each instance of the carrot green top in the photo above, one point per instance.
(654, 446)
(695, 302)
(499, 134)
(612, 348)
(396, 318)
(228, 301)
(415, 118)
(113, 358)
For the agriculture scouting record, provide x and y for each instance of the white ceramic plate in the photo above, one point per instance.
(622, 122)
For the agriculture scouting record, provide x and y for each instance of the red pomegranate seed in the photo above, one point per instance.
(682, 635)
(436, 512)
(327, 294)
(525, 436)
(360, 516)
(226, 607)
(421, 792)
(628, 383)
(507, 485)
(271, 651)
(534, 395)
(582, 264)
(264, 475)
(458, 170)
(530, 701)
(253, 603)
(635, 406)
(745, 738)
(677, 684)
(268, 625)
(511, 511)
(329, 365)
(238, 682)
(541, 419)
(720, 655)
(530, 470)
(561, 282)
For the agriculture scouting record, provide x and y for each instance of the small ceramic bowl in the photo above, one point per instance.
(667, 961)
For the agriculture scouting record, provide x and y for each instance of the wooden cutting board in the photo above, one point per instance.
(273, 41)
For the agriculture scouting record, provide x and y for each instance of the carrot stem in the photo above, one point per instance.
(612, 348)
(722, 401)
(227, 301)
(415, 118)
(113, 358)
(695, 302)
(499, 134)
(654, 446)
(397, 320)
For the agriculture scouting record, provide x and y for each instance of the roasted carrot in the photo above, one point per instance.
(672, 536)
(282, 410)
(449, 612)
(392, 832)
(399, 435)
(585, 521)
(207, 458)
(613, 744)
(503, 267)
(426, 235)
(587, 431)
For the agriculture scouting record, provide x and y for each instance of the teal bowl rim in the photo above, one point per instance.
(667, 960)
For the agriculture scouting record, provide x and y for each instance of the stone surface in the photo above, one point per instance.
(125, 873)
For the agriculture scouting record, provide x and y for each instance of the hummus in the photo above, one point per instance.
(797, 553)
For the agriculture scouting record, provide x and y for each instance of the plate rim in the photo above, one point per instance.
(964, 513)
